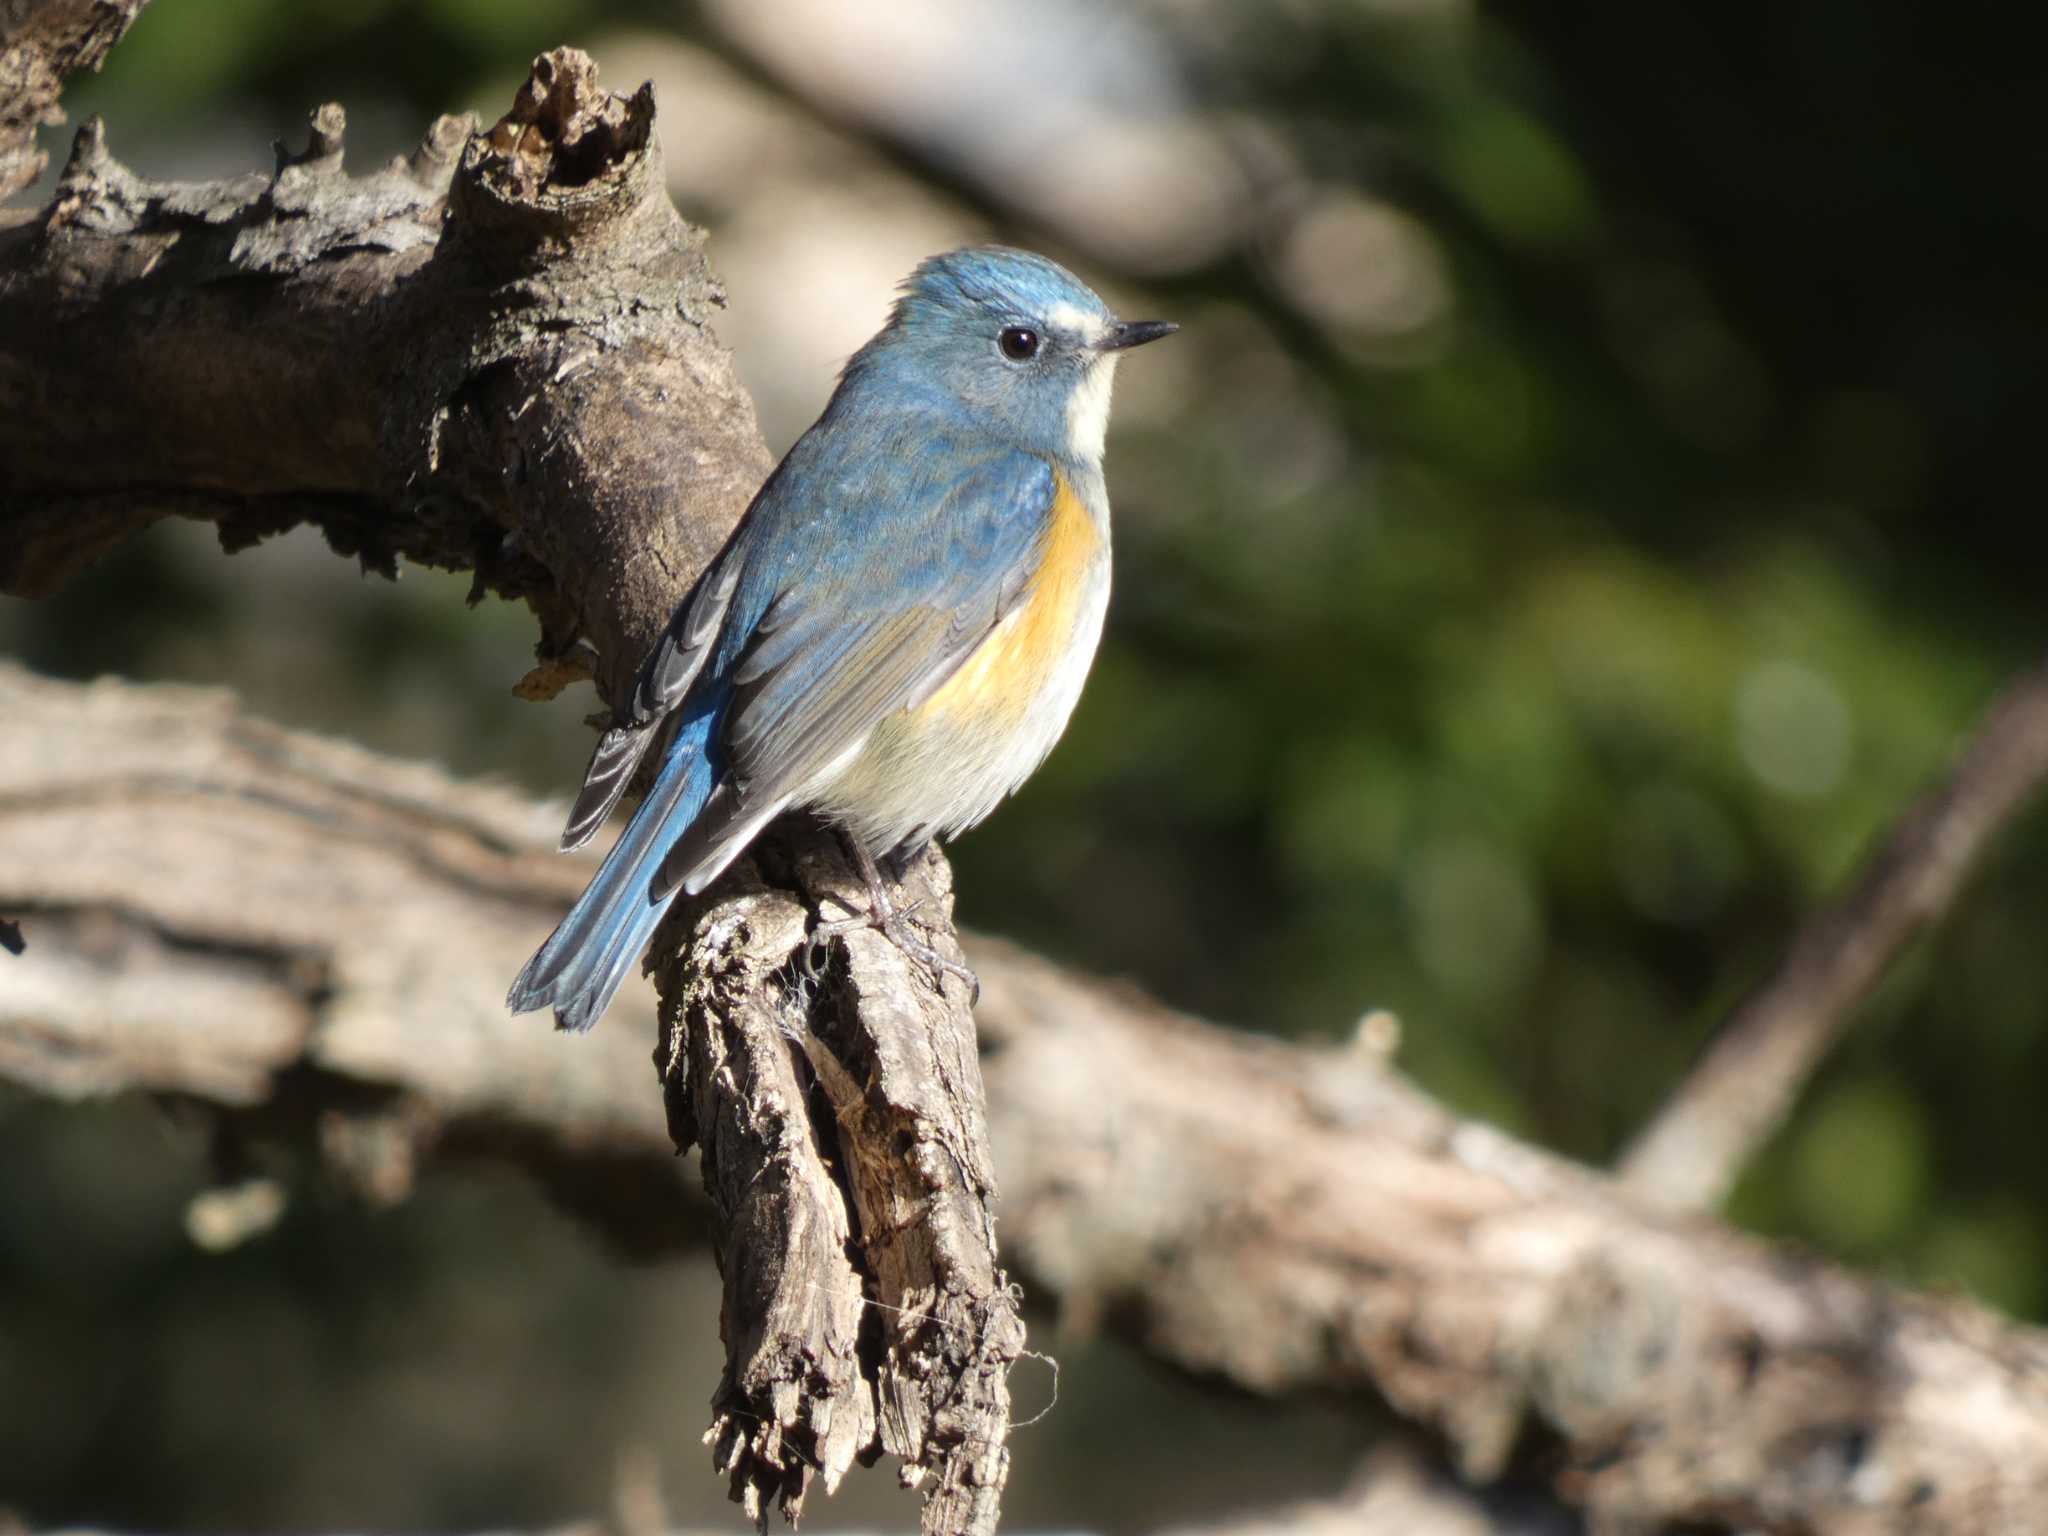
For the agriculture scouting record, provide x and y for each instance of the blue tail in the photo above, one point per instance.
(586, 958)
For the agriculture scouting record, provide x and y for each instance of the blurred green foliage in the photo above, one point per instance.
(1529, 675)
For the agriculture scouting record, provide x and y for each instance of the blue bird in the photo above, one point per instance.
(896, 632)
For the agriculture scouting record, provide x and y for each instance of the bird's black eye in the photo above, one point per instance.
(1019, 343)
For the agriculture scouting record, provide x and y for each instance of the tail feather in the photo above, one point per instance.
(587, 957)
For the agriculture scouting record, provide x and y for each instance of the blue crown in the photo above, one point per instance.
(996, 277)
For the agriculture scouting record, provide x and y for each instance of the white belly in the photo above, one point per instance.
(939, 769)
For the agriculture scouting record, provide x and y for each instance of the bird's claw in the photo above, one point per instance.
(896, 928)
(893, 923)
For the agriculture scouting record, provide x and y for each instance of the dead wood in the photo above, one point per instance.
(759, 1019)
(492, 356)
(495, 355)
(224, 910)
(42, 43)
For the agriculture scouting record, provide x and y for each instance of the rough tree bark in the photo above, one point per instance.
(495, 355)
(227, 912)
(41, 45)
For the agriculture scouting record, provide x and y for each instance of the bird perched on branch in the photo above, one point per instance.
(897, 630)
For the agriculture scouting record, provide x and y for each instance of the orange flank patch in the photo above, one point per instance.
(1016, 662)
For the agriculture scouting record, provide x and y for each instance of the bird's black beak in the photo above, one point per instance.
(1126, 334)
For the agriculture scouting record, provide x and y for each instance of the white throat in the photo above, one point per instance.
(1088, 409)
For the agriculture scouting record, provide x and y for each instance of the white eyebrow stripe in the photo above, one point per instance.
(1072, 317)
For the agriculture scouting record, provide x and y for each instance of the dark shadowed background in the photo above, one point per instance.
(1597, 480)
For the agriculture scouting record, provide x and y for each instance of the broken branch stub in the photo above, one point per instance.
(839, 1105)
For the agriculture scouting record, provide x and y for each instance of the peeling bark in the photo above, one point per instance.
(910, 1347)
(857, 1032)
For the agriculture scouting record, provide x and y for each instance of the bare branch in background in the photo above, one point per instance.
(1741, 1090)
(1396, 1493)
(1399, 1492)
(495, 356)
(1287, 1219)
(303, 935)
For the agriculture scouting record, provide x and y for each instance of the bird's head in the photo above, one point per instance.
(1014, 340)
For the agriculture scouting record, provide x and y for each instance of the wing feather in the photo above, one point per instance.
(866, 627)
(665, 679)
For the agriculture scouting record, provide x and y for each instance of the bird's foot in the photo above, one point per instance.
(893, 922)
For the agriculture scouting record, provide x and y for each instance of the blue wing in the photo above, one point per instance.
(870, 566)
(856, 603)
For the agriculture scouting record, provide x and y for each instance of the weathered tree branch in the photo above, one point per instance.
(300, 933)
(1741, 1090)
(1400, 1491)
(495, 356)
(1289, 1219)
(897, 1070)
(42, 43)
